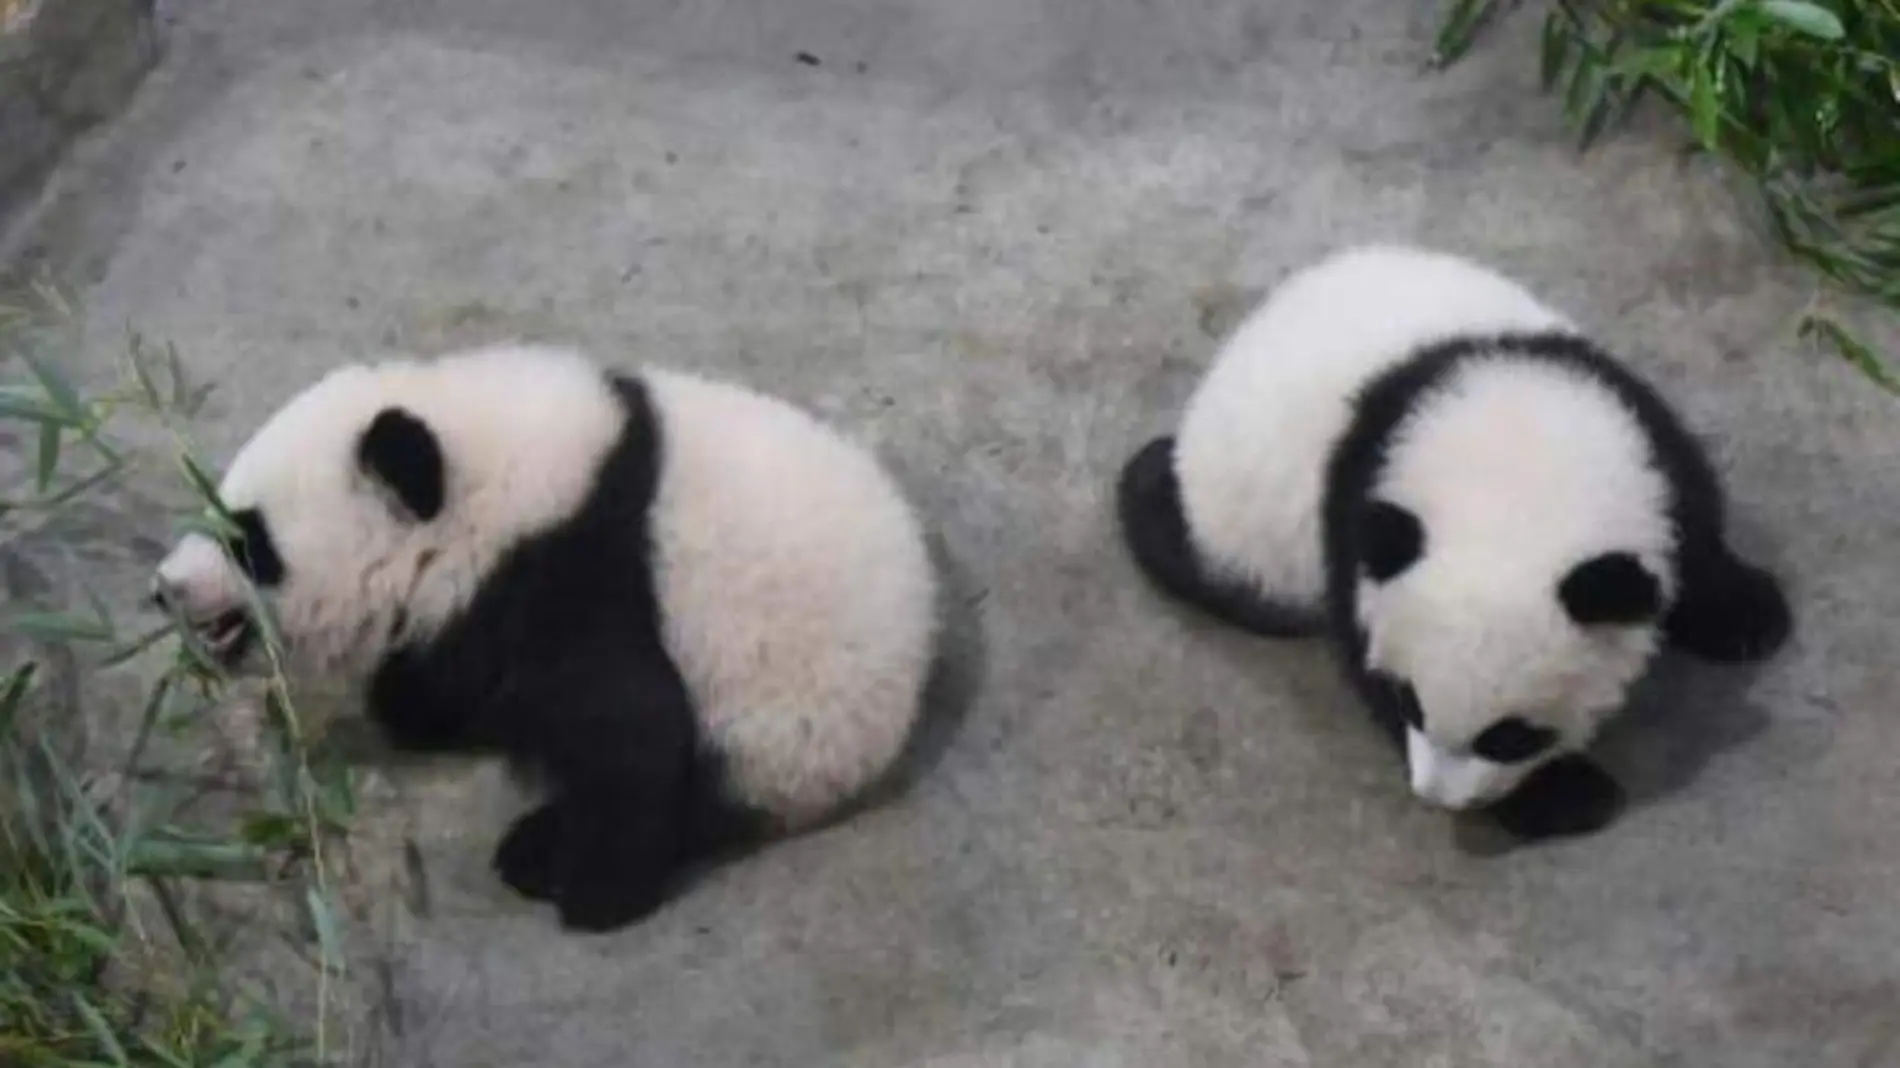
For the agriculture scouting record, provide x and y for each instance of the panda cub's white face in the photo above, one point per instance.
(319, 541)
(374, 502)
(1515, 565)
(1496, 678)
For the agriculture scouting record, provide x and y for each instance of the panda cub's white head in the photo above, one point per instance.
(1516, 558)
(371, 504)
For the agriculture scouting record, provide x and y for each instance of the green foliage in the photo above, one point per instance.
(86, 979)
(1802, 95)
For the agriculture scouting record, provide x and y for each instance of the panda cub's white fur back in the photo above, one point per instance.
(1255, 435)
(797, 593)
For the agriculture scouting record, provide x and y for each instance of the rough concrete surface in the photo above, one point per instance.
(997, 238)
(65, 65)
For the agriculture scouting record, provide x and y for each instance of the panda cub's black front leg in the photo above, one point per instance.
(605, 848)
(601, 871)
(411, 713)
(529, 853)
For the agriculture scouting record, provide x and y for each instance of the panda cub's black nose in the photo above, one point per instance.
(158, 599)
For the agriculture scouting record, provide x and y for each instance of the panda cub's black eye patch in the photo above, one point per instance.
(1391, 539)
(1613, 588)
(1511, 740)
(254, 550)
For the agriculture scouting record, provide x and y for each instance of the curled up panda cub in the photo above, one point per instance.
(698, 614)
(1496, 522)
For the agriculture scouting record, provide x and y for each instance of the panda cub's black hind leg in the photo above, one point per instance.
(1154, 527)
(1729, 611)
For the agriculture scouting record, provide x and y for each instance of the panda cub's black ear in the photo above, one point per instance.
(1611, 588)
(1390, 539)
(400, 451)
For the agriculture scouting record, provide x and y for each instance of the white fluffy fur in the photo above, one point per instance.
(797, 589)
(1517, 470)
(517, 426)
(1252, 447)
(794, 582)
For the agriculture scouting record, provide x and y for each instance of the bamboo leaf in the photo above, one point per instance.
(136, 646)
(329, 942)
(1460, 28)
(136, 357)
(274, 830)
(99, 609)
(207, 489)
(149, 716)
(1811, 19)
(184, 398)
(101, 1030)
(1586, 85)
(65, 399)
(1868, 201)
(172, 854)
(17, 403)
(13, 695)
(1705, 113)
(336, 794)
(210, 524)
(60, 626)
(194, 402)
(1744, 42)
(170, 1057)
(1851, 349)
(1556, 49)
(81, 488)
(49, 456)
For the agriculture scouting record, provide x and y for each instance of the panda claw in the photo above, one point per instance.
(1570, 796)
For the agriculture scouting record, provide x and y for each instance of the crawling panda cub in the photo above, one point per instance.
(698, 614)
(1497, 523)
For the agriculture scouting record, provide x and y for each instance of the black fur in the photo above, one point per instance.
(1148, 504)
(1611, 588)
(1512, 740)
(557, 663)
(254, 550)
(1726, 610)
(1397, 707)
(1392, 539)
(1570, 796)
(400, 451)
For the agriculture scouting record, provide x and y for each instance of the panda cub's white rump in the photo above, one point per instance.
(797, 593)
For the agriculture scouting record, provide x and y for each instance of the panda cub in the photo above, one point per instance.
(697, 613)
(1497, 524)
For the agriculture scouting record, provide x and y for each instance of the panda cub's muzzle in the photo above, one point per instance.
(198, 586)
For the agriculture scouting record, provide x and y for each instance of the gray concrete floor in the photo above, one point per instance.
(996, 238)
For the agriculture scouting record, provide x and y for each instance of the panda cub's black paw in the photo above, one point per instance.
(594, 891)
(599, 906)
(526, 858)
(1567, 797)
